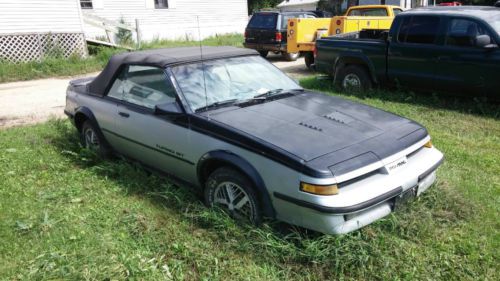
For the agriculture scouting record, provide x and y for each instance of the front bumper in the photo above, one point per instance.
(266, 47)
(361, 202)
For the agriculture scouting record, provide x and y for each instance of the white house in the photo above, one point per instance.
(28, 28)
(172, 19)
(298, 5)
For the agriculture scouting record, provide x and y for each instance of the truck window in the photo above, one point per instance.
(463, 32)
(263, 20)
(419, 30)
(373, 12)
(285, 18)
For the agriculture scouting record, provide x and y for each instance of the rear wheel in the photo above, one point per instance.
(231, 191)
(91, 140)
(263, 53)
(290, 56)
(309, 59)
(353, 78)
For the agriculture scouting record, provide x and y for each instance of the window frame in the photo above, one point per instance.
(82, 2)
(158, 7)
(437, 37)
(168, 80)
(480, 23)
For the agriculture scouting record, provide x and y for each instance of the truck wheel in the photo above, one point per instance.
(309, 59)
(290, 56)
(90, 139)
(263, 53)
(231, 191)
(353, 78)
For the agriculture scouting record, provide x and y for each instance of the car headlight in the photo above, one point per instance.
(330, 189)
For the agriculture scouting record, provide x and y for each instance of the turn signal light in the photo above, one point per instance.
(331, 189)
(338, 22)
(428, 144)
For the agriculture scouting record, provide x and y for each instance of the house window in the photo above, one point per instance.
(161, 4)
(86, 4)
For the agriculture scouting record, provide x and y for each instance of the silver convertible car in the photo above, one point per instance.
(251, 140)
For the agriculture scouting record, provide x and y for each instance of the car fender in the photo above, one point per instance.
(85, 111)
(243, 166)
(352, 58)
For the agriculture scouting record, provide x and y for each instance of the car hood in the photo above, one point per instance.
(324, 130)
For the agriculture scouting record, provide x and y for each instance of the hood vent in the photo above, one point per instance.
(339, 117)
(311, 127)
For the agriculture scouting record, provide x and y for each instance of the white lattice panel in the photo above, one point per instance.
(29, 47)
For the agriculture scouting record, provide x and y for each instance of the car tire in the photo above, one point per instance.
(233, 192)
(91, 140)
(353, 78)
(263, 53)
(309, 60)
(290, 56)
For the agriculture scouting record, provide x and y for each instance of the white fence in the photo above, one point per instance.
(17, 48)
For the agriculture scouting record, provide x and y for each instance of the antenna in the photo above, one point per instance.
(202, 65)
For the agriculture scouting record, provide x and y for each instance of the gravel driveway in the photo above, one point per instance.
(34, 101)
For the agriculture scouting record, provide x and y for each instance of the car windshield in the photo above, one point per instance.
(232, 79)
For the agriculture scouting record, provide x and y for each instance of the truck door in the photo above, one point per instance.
(412, 52)
(461, 66)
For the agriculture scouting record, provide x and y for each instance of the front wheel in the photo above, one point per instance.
(353, 78)
(290, 56)
(231, 191)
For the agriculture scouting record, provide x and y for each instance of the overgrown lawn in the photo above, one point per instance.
(64, 214)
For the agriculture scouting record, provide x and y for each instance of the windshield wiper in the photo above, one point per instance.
(216, 104)
(276, 92)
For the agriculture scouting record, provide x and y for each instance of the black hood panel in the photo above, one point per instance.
(324, 130)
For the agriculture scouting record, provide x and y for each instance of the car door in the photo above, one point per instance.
(412, 52)
(463, 67)
(159, 141)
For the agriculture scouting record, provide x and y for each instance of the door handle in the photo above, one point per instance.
(123, 114)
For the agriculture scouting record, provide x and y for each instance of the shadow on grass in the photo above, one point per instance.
(480, 106)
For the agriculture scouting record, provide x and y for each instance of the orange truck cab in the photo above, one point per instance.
(302, 33)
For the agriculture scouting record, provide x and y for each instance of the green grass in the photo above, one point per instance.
(67, 215)
(53, 67)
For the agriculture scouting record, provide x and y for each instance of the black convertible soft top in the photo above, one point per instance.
(161, 58)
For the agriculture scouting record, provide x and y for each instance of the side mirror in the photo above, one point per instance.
(484, 41)
(171, 108)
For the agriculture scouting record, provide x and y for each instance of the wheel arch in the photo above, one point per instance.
(83, 114)
(343, 61)
(219, 158)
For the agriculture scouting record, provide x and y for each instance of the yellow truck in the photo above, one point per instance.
(302, 32)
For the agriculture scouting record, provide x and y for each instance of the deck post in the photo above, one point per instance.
(138, 33)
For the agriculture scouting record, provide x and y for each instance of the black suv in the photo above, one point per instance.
(266, 31)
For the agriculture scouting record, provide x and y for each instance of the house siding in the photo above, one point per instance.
(40, 16)
(177, 22)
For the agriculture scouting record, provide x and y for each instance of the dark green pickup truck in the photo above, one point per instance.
(452, 49)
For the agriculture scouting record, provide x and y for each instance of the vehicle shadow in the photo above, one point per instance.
(162, 191)
(481, 106)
